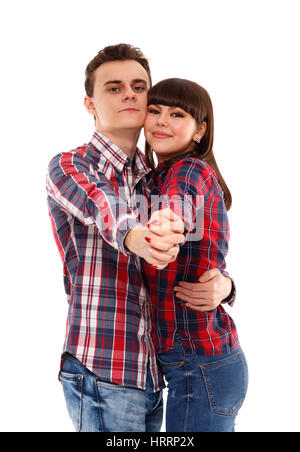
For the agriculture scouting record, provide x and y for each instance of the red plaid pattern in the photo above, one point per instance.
(92, 206)
(186, 187)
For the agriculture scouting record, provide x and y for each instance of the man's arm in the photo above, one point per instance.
(212, 289)
(93, 201)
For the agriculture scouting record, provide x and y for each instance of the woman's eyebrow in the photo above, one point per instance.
(173, 107)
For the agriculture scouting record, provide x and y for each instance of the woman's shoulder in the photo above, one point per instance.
(197, 174)
(194, 164)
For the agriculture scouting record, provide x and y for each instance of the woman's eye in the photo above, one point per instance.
(153, 111)
(177, 115)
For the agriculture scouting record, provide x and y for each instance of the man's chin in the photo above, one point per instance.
(137, 125)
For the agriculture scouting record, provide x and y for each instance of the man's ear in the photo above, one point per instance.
(89, 105)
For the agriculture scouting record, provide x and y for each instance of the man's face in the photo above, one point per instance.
(119, 101)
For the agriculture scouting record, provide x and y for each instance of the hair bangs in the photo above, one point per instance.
(174, 93)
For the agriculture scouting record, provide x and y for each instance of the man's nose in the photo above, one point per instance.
(129, 94)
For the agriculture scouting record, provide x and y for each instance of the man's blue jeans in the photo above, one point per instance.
(98, 406)
(205, 392)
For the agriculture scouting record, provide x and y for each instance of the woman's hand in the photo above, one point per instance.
(206, 295)
(157, 244)
(165, 221)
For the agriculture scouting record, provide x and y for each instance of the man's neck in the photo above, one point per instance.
(126, 141)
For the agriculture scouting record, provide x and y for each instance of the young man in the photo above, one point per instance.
(109, 372)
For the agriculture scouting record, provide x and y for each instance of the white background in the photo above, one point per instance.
(246, 54)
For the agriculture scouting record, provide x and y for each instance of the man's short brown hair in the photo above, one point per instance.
(119, 52)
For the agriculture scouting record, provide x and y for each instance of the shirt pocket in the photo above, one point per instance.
(226, 383)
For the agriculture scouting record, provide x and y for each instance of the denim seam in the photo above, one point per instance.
(176, 364)
(112, 386)
(188, 395)
(245, 377)
(101, 426)
(221, 362)
(81, 395)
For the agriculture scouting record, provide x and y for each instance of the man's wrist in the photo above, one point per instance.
(132, 238)
(125, 228)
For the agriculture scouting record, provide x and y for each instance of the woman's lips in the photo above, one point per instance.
(161, 135)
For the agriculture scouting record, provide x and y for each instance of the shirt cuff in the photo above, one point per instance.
(232, 296)
(124, 227)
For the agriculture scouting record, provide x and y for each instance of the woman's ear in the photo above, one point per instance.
(200, 132)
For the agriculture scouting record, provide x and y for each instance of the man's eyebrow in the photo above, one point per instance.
(139, 80)
(118, 82)
(115, 82)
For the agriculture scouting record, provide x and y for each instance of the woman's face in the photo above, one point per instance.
(170, 131)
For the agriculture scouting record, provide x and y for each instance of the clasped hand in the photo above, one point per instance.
(158, 242)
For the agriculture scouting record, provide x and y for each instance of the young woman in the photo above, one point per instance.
(198, 351)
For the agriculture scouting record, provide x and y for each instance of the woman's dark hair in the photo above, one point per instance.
(195, 100)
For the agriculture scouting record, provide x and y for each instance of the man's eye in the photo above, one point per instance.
(114, 89)
(139, 88)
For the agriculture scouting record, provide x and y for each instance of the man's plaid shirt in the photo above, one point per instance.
(92, 205)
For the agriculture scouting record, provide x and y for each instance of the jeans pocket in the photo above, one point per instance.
(73, 387)
(108, 385)
(173, 357)
(226, 383)
(172, 366)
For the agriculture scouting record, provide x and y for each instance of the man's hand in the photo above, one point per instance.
(157, 244)
(206, 295)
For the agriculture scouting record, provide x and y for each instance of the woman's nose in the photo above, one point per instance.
(162, 120)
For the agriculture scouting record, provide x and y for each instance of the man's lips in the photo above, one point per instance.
(129, 109)
(161, 135)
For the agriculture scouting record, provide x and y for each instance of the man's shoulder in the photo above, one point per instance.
(80, 151)
(73, 156)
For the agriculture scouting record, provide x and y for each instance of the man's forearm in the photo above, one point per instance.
(91, 200)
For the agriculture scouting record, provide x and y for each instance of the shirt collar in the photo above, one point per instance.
(118, 158)
(161, 168)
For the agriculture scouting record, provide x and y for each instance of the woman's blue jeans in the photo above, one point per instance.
(204, 392)
(98, 406)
